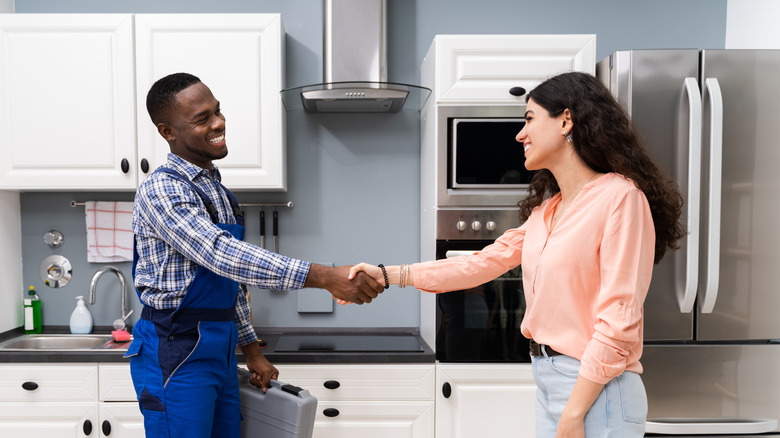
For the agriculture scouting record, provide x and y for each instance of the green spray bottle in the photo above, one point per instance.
(33, 322)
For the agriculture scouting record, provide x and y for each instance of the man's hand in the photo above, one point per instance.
(361, 289)
(262, 370)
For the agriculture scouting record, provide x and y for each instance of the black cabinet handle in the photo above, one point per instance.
(106, 428)
(331, 412)
(517, 91)
(30, 386)
(332, 384)
(87, 428)
(125, 165)
(144, 165)
(446, 390)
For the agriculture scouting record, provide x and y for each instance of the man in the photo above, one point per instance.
(189, 263)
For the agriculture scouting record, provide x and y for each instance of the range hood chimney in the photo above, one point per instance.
(355, 65)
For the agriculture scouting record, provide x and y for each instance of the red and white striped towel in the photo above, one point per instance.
(109, 231)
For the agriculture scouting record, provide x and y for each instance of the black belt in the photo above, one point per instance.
(538, 350)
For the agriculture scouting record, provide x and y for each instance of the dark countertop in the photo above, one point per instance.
(284, 346)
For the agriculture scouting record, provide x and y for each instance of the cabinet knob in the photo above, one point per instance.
(446, 390)
(87, 428)
(125, 165)
(106, 426)
(331, 412)
(517, 91)
(332, 384)
(30, 386)
(144, 165)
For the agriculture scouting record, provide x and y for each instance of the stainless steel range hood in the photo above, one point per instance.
(355, 65)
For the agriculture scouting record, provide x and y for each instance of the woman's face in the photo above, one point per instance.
(543, 137)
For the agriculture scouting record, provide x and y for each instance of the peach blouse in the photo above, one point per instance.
(585, 282)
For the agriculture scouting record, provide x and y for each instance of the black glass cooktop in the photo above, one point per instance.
(347, 343)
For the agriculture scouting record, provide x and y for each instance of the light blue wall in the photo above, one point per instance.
(354, 179)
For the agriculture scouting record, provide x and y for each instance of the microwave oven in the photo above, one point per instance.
(480, 164)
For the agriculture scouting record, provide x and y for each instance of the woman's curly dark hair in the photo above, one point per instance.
(606, 140)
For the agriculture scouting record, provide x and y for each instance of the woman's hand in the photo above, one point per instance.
(372, 271)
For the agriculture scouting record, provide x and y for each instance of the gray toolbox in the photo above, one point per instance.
(284, 411)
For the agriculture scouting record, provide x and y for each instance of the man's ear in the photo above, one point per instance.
(166, 131)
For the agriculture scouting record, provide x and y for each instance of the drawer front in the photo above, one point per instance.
(374, 419)
(363, 382)
(47, 383)
(116, 383)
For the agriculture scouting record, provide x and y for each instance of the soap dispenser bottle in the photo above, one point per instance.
(80, 319)
(33, 322)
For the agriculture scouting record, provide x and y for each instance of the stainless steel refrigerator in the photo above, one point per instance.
(712, 315)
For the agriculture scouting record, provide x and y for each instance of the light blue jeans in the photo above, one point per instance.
(620, 411)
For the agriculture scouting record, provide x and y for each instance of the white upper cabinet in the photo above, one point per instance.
(480, 69)
(67, 103)
(73, 96)
(240, 58)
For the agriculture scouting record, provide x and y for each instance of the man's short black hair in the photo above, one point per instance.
(162, 96)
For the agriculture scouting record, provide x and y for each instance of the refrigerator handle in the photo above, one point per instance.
(712, 92)
(687, 297)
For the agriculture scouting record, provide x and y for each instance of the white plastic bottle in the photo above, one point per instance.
(80, 319)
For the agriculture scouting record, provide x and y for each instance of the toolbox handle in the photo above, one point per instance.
(292, 389)
(286, 387)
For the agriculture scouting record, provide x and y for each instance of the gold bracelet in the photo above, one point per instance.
(403, 276)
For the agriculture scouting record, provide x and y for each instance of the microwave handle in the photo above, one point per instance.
(455, 253)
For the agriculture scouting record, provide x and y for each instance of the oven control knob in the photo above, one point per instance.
(490, 225)
(461, 225)
(476, 225)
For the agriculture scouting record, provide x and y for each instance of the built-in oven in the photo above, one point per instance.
(481, 324)
(480, 164)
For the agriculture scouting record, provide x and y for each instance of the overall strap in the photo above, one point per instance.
(237, 213)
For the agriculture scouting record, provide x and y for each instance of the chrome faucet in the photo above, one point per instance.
(93, 284)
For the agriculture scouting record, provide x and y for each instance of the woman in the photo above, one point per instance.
(598, 215)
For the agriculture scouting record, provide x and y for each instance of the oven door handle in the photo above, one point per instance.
(455, 253)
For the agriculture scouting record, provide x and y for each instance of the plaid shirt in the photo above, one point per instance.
(175, 236)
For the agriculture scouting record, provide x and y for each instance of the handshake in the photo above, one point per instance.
(350, 284)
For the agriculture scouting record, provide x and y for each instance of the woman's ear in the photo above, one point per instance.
(566, 119)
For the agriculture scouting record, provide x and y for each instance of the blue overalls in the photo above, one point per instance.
(183, 360)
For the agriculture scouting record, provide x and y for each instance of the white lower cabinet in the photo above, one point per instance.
(380, 401)
(65, 400)
(485, 400)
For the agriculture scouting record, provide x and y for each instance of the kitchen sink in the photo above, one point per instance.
(63, 343)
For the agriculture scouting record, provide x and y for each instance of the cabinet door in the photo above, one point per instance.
(375, 420)
(480, 69)
(485, 400)
(116, 383)
(67, 102)
(46, 420)
(240, 58)
(121, 420)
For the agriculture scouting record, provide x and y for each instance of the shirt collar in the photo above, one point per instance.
(190, 170)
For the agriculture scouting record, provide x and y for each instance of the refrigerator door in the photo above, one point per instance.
(739, 293)
(723, 390)
(659, 89)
